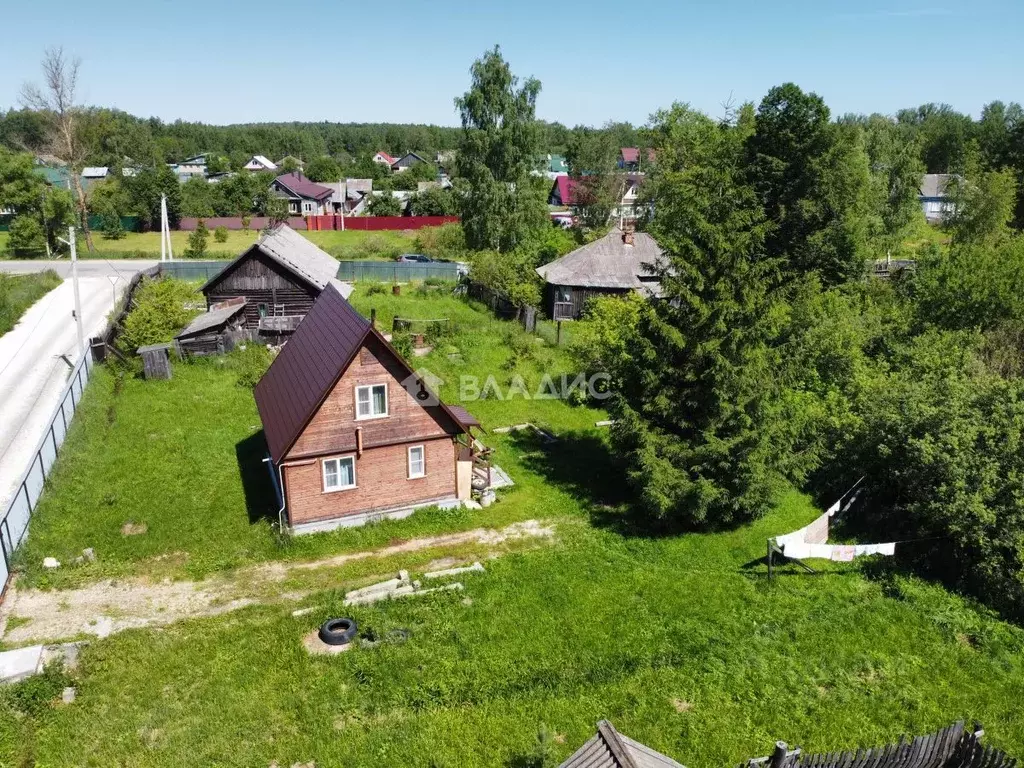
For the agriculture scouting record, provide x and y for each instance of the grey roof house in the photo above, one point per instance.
(615, 264)
(934, 195)
(280, 276)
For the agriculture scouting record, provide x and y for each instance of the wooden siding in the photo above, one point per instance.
(578, 297)
(333, 427)
(261, 280)
(382, 483)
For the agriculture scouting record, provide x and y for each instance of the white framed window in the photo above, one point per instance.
(417, 462)
(339, 473)
(372, 401)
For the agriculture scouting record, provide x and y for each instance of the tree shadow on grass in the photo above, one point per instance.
(583, 464)
(260, 498)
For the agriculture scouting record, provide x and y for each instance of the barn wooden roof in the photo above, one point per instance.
(606, 263)
(214, 318)
(292, 251)
(610, 749)
(309, 366)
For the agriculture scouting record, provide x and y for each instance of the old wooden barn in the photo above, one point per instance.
(216, 331)
(279, 277)
(616, 264)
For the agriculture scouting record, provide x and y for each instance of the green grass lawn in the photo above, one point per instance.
(343, 245)
(19, 292)
(680, 640)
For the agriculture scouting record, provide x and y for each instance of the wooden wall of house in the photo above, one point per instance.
(578, 297)
(262, 281)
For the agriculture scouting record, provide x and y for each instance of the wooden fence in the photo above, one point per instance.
(355, 223)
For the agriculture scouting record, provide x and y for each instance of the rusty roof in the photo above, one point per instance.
(309, 366)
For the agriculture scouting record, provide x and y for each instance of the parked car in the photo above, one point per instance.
(416, 257)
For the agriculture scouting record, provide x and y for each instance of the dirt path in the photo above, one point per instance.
(106, 607)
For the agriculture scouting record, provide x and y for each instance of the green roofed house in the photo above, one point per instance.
(55, 176)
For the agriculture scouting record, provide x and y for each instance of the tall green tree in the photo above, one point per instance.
(690, 410)
(497, 150)
(323, 168)
(596, 184)
(894, 155)
(812, 180)
(983, 207)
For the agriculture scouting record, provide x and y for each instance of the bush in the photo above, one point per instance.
(250, 363)
(26, 237)
(220, 234)
(246, 222)
(377, 289)
(197, 241)
(112, 227)
(36, 694)
(447, 242)
(402, 342)
(158, 314)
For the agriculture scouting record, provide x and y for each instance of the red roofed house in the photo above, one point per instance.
(353, 433)
(384, 159)
(629, 158)
(305, 197)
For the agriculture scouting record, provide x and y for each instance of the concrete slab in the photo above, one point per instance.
(20, 663)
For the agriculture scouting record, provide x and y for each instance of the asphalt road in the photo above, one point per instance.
(32, 373)
(86, 267)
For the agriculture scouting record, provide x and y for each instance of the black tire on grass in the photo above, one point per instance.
(337, 631)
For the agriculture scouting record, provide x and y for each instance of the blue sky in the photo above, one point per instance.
(404, 60)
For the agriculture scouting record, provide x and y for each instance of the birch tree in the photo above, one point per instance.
(56, 99)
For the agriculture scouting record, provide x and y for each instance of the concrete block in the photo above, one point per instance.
(68, 695)
(51, 562)
(474, 568)
(20, 663)
(303, 611)
(373, 597)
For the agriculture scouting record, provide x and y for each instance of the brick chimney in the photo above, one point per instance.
(627, 238)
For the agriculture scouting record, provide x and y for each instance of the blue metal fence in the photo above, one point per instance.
(14, 522)
(396, 271)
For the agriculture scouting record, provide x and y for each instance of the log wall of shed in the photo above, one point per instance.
(262, 281)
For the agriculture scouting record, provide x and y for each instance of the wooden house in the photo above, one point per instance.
(352, 432)
(619, 262)
(305, 197)
(280, 277)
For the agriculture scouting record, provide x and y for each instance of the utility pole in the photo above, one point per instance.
(78, 300)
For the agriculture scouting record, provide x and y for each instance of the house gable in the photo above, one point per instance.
(332, 428)
(254, 270)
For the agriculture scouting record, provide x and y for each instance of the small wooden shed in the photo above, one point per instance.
(216, 331)
(156, 360)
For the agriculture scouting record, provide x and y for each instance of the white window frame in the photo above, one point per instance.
(371, 415)
(338, 459)
(423, 461)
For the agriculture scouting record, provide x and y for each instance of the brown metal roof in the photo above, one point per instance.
(464, 417)
(310, 364)
(306, 370)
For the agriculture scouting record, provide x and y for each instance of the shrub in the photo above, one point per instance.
(220, 234)
(112, 227)
(376, 289)
(447, 242)
(36, 694)
(250, 363)
(26, 237)
(158, 314)
(402, 342)
(246, 222)
(197, 241)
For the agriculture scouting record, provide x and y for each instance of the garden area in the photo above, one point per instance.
(19, 292)
(680, 640)
(349, 244)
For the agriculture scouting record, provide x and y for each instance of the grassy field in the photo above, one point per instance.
(19, 292)
(343, 245)
(680, 640)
